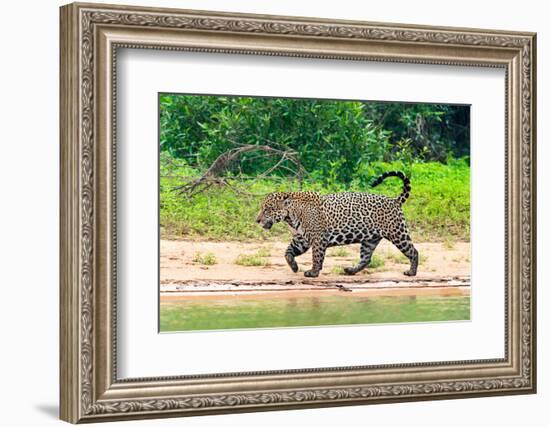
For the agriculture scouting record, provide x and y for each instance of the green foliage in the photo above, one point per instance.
(263, 252)
(396, 257)
(205, 259)
(257, 259)
(399, 258)
(376, 262)
(433, 132)
(338, 251)
(342, 145)
(333, 139)
(438, 208)
(338, 269)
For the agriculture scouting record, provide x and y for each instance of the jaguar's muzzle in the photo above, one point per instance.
(267, 225)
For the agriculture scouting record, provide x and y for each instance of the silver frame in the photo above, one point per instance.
(90, 37)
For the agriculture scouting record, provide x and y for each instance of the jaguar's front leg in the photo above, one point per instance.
(297, 247)
(318, 248)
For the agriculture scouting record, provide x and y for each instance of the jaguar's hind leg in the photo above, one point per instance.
(404, 244)
(367, 249)
(297, 247)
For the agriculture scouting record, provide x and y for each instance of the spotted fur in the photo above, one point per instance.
(319, 222)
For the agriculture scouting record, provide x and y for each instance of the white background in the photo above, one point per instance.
(142, 73)
(29, 169)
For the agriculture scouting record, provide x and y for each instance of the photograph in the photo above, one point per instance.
(292, 212)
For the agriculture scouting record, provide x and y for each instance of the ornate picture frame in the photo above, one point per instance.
(90, 37)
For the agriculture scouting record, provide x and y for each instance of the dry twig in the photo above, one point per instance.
(214, 175)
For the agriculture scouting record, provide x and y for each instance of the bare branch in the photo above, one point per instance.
(214, 174)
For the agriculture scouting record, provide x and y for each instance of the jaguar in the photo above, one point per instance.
(322, 221)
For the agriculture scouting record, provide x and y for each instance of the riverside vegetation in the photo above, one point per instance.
(341, 146)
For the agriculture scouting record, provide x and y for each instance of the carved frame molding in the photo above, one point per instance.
(90, 37)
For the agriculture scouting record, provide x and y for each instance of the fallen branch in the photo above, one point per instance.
(214, 175)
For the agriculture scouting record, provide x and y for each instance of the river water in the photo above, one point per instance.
(346, 308)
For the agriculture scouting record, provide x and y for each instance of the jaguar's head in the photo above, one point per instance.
(274, 209)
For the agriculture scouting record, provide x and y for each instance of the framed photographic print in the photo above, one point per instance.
(265, 212)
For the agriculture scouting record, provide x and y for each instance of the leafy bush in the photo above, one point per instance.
(433, 132)
(333, 139)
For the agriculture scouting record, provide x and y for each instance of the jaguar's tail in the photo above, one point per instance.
(406, 184)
